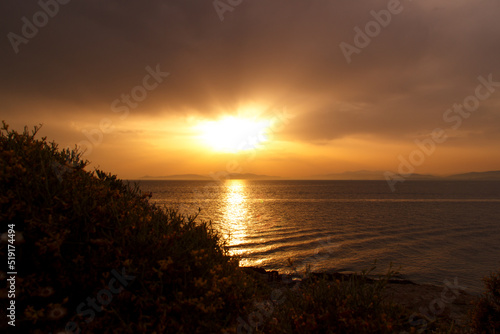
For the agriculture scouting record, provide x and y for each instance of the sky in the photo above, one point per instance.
(147, 87)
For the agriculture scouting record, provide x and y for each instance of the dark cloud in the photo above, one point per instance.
(283, 52)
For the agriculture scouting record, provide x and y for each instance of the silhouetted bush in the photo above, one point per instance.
(79, 226)
(486, 314)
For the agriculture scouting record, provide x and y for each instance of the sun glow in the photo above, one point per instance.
(233, 134)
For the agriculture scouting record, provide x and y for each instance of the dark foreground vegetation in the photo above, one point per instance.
(92, 255)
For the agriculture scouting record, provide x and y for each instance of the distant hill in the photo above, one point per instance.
(355, 175)
(487, 176)
(250, 176)
(197, 177)
(422, 177)
(368, 175)
(379, 175)
(351, 175)
(178, 177)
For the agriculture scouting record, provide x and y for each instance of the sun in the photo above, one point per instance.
(234, 134)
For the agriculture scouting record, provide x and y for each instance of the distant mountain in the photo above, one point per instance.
(379, 175)
(421, 177)
(250, 176)
(355, 175)
(197, 177)
(178, 177)
(487, 176)
(352, 175)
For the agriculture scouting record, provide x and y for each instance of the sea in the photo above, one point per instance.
(429, 231)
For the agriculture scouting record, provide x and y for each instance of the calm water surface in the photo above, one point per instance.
(434, 230)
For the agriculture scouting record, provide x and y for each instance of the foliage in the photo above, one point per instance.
(486, 314)
(351, 304)
(78, 226)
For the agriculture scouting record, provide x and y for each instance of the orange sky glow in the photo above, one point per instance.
(282, 88)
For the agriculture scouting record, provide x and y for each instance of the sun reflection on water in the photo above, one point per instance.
(235, 217)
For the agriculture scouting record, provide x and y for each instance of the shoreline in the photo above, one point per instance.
(448, 303)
